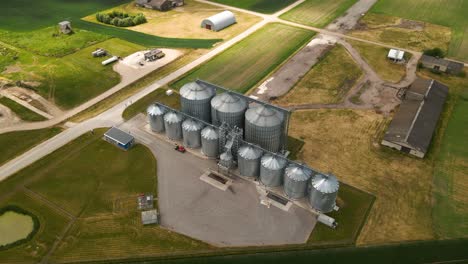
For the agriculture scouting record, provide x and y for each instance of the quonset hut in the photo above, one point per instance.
(219, 21)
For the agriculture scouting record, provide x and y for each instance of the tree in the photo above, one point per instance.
(435, 52)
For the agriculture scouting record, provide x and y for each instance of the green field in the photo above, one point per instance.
(449, 13)
(245, 64)
(262, 6)
(7, 57)
(15, 143)
(159, 95)
(318, 13)
(22, 112)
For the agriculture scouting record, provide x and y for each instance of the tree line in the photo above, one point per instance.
(120, 19)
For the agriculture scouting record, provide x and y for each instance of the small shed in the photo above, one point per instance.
(149, 217)
(119, 138)
(153, 55)
(396, 55)
(65, 27)
(219, 21)
(442, 65)
(145, 201)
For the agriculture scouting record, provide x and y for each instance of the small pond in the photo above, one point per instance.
(14, 227)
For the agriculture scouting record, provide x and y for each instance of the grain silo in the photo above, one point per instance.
(191, 132)
(248, 160)
(323, 192)
(156, 117)
(264, 127)
(296, 179)
(229, 108)
(210, 142)
(195, 100)
(226, 160)
(272, 170)
(173, 125)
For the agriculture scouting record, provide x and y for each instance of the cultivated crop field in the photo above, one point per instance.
(249, 61)
(262, 6)
(327, 82)
(318, 13)
(449, 13)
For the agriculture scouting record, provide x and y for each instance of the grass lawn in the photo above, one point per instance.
(294, 146)
(407, 34)
(261, 6)
(448, 13)
(327, 82)
(158, 95)
(249, 61)
(7, 57)
(318, 13)
(22, 112)
(376, 57)
(15, 143)
(183, 22)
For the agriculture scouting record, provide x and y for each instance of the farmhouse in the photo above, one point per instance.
(119, 138)
(219, 21)
(161, 5)
(413, 125)
(65, 27)
(396, 55)
(442, 65)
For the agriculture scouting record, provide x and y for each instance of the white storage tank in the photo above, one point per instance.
(210, 142)
(191, 132)
(156, 117)
(229, 108)
(248, 160)
(323, 192)
(296, 179)
(264, 127)
(173, 125)
(272, 170)
(195, 100)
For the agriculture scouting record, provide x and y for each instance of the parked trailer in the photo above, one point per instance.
(110, 60)
(328, 221)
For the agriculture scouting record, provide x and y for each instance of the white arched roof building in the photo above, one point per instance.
(219, 21)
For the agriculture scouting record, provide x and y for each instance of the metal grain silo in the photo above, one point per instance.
(323, 192)
(272, 170)
(210, 141)
(195, 100)
(191, 132)
(264, 126)
(173, 125)
(296, 179)
(226, 160)
(229, 108)
(156, 117)
(248, 160)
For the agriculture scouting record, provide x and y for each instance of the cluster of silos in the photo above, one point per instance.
(156, 118)
(195, 100)
(323, 192)
(264, 127)
(228, 108)
(248, 159)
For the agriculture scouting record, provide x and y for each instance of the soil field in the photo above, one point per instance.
(318, 13)
(249, 61)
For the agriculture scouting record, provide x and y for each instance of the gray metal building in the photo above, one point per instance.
(195, 100)
(156, 118)
(323, 192)
(264, 126)
(229, 108)
(272, 170)
(248, 159)
(191, 132)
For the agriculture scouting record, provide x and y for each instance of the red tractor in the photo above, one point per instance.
(180, 148)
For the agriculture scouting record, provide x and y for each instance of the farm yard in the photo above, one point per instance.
(448, 13)
(318, 13)
(245, 64)
(327, 82)
(261, 6)
(183, 22)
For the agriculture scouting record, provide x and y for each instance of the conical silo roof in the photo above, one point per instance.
(194, 91)
(172, 118)
(226, 156)
(249, 152)
(228, 103)
(264, 116)
(297, 173)
(209, 133)
(192, 125)
(325, 183)
(273, 162)
(155, 110)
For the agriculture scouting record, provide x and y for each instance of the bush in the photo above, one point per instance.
(435, 52)
(20, 210)
(120, 19)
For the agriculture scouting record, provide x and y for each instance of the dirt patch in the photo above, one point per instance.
(12, 69)
(411, 24)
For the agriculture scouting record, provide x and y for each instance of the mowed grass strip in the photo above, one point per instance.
(449, 13)
(318, 13)
(249, 61)
(327, 82)
(261, 6)
(22, 112)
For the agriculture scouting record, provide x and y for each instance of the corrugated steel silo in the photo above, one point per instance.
(156, 118)
(248, 160)
(296, 179)
(229, 108)
(323, 192)
(272, 170)
(195, 100)
(264, 126)
(173, 125)
(226, 160)
(191, 132)
(210, 141)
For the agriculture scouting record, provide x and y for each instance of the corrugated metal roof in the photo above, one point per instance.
(396, 54)
(119, 136)
(248, 152)
(325, 183)
(192, 125)
(194, 91)
(209, 133)
(228, 103)
(273, 162)
(264, 116)
(298, 173)
(172, 117)
(221, 20)
(155, 110)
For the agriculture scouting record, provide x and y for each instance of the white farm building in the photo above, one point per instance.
(219, 21)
